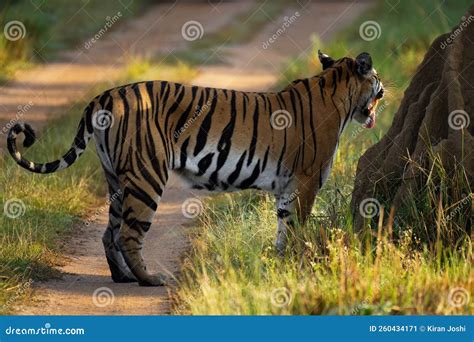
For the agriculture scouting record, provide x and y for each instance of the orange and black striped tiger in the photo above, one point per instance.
(220, 140)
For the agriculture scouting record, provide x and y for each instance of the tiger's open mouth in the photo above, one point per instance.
(370, 112)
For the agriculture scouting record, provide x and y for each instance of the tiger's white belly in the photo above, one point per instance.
(266, 179)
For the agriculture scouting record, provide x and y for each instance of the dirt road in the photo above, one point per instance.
(86, 287)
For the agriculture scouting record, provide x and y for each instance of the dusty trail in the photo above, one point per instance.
(248, 67)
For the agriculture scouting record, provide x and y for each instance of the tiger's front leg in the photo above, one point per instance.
(286, 219)
(293, 208)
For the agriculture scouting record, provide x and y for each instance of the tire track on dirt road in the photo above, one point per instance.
(247, 67)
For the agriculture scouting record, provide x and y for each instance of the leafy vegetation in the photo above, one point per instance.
(233, 269)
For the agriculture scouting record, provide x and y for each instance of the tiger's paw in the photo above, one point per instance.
(154, 280)
(121, 274)
(124, 279)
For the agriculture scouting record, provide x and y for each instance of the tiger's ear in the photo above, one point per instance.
(363, 63)
(325, 60)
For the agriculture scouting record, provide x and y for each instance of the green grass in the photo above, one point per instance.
(139, 69)
(52, 27)
(48, 207)
(232, 267)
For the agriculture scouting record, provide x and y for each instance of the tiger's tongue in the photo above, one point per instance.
(370, 121)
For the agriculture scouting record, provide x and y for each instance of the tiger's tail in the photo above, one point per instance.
(83, 135)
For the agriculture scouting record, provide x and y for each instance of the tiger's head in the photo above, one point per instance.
(369, 88)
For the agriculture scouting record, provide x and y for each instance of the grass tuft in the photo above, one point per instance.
(41, 209)
(233, 269)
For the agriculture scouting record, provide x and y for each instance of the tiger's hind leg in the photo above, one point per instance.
(118, 268)
(141, 196)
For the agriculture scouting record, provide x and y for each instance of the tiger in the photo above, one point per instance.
(224, 140)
